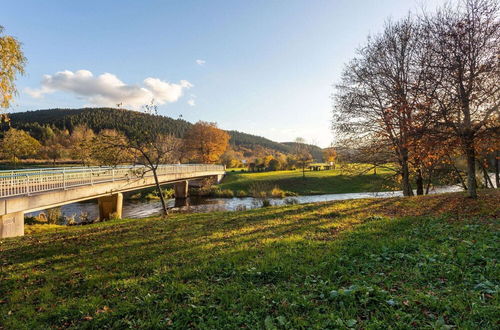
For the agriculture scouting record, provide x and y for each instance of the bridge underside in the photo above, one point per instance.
(109, 195)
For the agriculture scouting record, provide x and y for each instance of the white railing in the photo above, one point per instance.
(30, 181)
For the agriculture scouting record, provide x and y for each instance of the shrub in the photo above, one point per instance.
(54, 216)
(241, 193)
(225, 193)
(260, 189)
(266, 202)
(277, 193)
(70, 221)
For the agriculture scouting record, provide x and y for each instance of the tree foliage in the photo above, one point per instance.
(205, 142)
(12, 62)
(17, 144)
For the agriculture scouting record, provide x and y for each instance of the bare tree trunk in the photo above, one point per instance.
(487, 179)
(405, 173)
(420, 182)
(497, 169)
(160, 193)
(471, 169)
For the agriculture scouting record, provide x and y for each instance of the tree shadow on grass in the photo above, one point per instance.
(139, 256)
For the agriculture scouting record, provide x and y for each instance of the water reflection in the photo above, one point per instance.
(141, 209)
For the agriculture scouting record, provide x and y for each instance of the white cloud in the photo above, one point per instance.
(201, 62)
(191, 102)
(107, 90)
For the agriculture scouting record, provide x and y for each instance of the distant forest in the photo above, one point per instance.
(131, 123)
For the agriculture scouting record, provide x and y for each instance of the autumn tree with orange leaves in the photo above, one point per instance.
(205, 143)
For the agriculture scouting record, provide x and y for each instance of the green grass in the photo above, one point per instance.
(316, 182)
(387, 263)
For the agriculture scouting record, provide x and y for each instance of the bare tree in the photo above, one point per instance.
(380, 97)
(302, 154)
(463, 44)
(145, 147)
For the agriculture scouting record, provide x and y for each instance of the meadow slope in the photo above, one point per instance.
(316, 182)
(427, 261)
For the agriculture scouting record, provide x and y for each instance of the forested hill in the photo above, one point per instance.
(126, 121)
(129, 122)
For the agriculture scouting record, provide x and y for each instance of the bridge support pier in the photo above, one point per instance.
(12, 225)
(181, 189)
(110, 206)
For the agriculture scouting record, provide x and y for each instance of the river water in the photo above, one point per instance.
(145, 208)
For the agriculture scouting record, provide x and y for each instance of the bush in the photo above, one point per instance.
(225, 193)
(241, 193)
(266, 203)
(260, 189)
(54, 216)
(277, 193)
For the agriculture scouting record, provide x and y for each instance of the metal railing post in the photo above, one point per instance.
(27, 184)
(64, 178)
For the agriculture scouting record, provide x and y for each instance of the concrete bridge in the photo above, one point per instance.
(24, 191)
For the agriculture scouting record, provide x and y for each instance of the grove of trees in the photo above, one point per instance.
(425, 92)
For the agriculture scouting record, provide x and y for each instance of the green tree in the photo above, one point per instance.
(18, 144)
(12, 63)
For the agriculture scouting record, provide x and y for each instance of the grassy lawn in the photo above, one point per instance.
(316, 182)
(376, 263)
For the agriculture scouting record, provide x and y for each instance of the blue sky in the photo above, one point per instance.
(267, 67)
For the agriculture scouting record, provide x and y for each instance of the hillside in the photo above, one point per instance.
(130, 122)
(422, 262)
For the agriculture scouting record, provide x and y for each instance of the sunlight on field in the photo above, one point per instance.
(335, 260)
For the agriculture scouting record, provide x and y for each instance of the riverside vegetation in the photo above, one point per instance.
(428, 261)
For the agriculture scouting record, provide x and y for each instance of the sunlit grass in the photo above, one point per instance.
(423, 262)
(315, 182)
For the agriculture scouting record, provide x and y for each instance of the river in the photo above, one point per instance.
(145, 208)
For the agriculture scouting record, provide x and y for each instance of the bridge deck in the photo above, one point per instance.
(32, 181)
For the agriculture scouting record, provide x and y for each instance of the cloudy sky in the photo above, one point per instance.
(262, 67)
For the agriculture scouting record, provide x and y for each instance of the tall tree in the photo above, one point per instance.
(205, 142)
(380, 96)
(12, 62)
(463, 41)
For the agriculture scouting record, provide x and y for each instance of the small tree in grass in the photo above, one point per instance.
(145, 147)
(302, 155)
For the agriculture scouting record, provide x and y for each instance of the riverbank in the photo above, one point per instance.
(426, 261)
(336, 181)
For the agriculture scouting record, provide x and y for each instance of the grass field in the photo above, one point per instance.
(316, 182)
(428, 261)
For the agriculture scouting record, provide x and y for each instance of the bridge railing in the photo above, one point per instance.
(30, 181)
